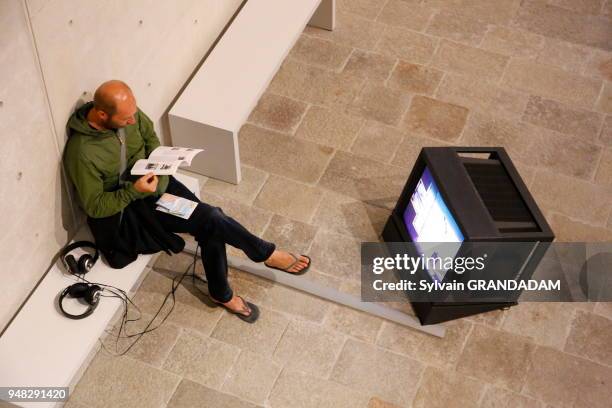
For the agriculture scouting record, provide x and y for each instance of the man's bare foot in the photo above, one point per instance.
(236, 305)
(283, 259)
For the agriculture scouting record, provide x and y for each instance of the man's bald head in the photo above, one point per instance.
(110, 94)
(114, 105)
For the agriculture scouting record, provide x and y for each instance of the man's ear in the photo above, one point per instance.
(102, 115)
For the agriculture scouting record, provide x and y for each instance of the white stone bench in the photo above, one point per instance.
(41, 347)
(221, 95)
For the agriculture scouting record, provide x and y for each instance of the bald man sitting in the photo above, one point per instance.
(92, 159)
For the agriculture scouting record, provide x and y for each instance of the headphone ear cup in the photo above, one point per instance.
(72, 264)
(78, 290)
(92, 294)
(85, 263)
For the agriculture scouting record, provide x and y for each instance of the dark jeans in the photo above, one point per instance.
(212, 229)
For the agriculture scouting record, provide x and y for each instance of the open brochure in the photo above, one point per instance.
(179, 206)
(165, 160)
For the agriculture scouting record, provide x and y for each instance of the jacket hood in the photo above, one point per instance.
(78, 122)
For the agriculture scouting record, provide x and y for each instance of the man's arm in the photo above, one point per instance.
(89, 186)
(151, 141)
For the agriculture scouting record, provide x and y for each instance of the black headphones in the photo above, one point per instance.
(89, 292)
(85, 262)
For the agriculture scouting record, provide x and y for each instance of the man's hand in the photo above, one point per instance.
(147, 183)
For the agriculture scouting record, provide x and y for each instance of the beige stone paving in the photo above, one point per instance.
(340, 126)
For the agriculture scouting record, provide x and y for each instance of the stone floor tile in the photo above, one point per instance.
(309, 348)
(604, 172)
(252, 218)
(376, 402)
(364, 8)
(278, 113)
(568, 56)
(410, 147)
(122, 381)
(69, 404)
(298, 304)
(190, 394)
(415, 78)
(604, 103)
(152, 348)
(468, 60)
(346, 215)
(562, 118)
(301, 82)
(551, 82)
(406, 14)
(192, 309)
(377, 141)
(590, 338)
(295, 389)
(482, 96)
(546, 323)
(329, 127)
(357, 324)
(458, 27)
(407, 45)
(489, 130)
(526, 171)
(371, 181)
(314, 84)
(276, 153)
(607, 9)
(562, 380)
(290, 235)
(379, 103)
(289, 198)
(249, 286)
(512, 42)
(565, 154)
(337, 255)
(583, 201)
(244, 192)
(447, 389)
(496, 357)
(436, 119)
(351, 30)
(604, 309)
(260, 337)
(369, 65)
(599, 65)
(323, 53)
(581, 6)
(252, 377)
(492, 318)
(391, 376)
(569, 230)
(606, 132)
(499, 398)
(342, 90)
(201, 359)
(440, 352)
(498, 12)
(564, 24)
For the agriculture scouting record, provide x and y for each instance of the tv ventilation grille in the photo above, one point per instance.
(500, 196)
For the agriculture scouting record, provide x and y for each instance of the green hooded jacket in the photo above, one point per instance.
(92, 161)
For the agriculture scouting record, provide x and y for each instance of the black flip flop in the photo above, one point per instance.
(251, 318)
(297, 259)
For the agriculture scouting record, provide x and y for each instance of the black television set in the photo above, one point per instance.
(461, 195)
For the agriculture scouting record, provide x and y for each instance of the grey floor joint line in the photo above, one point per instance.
(313, 288)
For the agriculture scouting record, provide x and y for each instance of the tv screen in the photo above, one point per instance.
(428, 220)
